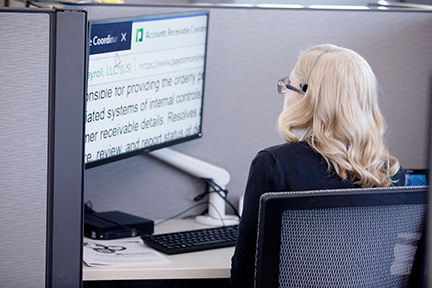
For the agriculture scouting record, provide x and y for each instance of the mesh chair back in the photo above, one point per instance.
(339, 238)
(349, 246)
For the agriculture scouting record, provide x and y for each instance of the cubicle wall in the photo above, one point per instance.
(42, 76)
(27, 142)
(249, 49)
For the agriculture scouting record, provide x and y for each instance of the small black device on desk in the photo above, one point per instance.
(115, 225)
(193, 240)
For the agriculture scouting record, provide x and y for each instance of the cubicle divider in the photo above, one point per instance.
(249, 49)
(41, 168)
(42, 110)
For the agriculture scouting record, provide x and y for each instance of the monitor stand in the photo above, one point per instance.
(216, 210)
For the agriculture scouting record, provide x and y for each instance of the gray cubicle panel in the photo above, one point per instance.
(42, 76)
(429, 209)
(249, 49)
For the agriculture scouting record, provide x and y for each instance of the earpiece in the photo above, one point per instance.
(304, 87)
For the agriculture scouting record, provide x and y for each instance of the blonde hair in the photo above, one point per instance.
(340, 115)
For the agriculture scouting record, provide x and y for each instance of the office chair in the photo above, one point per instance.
(340, 238)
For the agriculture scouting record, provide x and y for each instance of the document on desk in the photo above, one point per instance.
(117, 253)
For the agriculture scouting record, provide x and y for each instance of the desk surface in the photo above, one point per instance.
(215, 263)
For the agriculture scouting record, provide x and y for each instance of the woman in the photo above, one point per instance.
(334, 132)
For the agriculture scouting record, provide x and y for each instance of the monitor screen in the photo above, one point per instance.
(416, 177)
(145, 84)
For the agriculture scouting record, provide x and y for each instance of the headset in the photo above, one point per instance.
(305, 86)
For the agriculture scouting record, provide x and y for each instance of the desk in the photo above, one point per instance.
(215, 263)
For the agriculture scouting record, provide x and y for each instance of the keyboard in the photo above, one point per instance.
(193, 240)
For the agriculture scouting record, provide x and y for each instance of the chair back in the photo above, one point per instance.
(339, 238)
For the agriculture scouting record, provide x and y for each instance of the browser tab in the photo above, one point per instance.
(110, 37)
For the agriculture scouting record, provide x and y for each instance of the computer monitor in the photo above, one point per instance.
(145, 84)
(416, 177)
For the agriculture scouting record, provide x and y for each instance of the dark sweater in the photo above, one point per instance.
(286, 167)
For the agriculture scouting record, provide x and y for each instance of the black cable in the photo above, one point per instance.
(220, 216)
(88, 208)
(209, 184)
(202, 195)
(182, 212)
(218, 189)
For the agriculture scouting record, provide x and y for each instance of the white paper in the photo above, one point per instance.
(115, 253)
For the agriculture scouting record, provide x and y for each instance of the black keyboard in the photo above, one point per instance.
(193, 240)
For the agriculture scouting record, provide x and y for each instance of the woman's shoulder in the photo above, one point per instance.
(287, 154)
(399, 179)
(293, 148)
